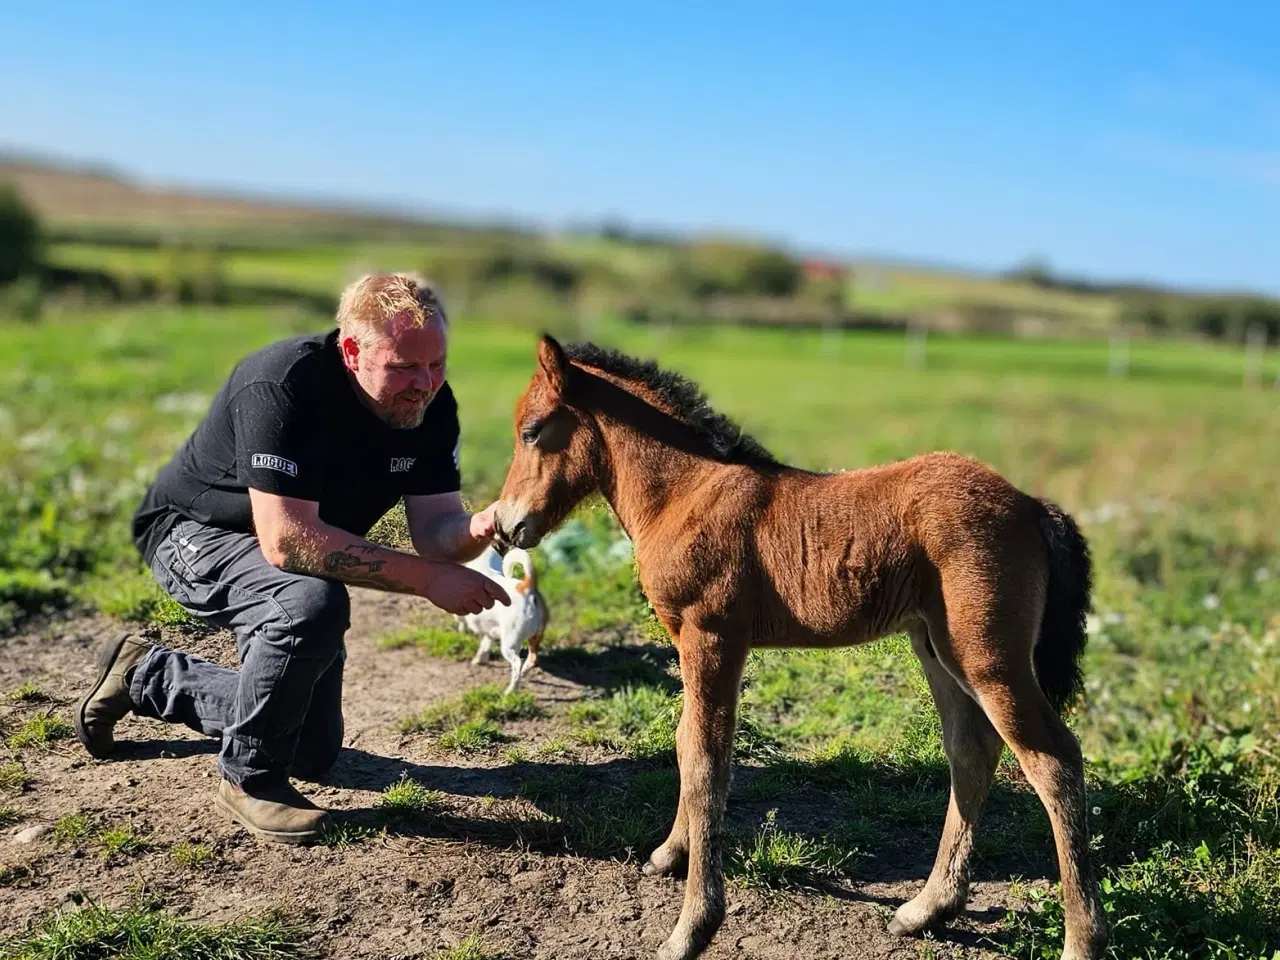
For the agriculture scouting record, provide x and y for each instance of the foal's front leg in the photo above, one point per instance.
(712, 670)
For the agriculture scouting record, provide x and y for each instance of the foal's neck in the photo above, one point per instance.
(645, 475)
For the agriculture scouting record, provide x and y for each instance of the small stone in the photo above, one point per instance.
(31, 834)
(735, 909)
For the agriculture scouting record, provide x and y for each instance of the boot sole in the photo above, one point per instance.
(106, 660)
(275, 836)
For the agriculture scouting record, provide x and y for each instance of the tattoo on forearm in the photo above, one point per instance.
(355, 565)
(349, 559)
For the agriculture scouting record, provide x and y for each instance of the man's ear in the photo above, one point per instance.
(555, 365)
(349, 347)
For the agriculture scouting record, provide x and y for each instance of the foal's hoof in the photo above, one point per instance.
(679, 948)
(664, 862)
(914, 918)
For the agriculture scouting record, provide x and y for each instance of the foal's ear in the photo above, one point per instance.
(553, 362)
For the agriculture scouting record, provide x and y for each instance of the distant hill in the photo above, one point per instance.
(68, 196)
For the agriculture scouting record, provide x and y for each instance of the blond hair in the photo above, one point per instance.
(369, 304)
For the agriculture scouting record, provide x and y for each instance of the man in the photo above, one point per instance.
(258, 524)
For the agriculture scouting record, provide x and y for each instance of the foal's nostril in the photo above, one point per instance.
(518, 532)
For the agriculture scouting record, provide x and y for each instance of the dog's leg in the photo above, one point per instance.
(482, 655)
(511, 653)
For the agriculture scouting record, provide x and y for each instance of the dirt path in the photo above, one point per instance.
(473, 868)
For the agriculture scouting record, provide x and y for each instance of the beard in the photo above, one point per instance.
(407, 410)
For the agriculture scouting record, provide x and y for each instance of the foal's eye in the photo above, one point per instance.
(530, 434)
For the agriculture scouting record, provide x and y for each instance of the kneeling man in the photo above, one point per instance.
(258, 523)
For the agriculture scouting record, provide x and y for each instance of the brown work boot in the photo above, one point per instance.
(109, 699)
(280, 814)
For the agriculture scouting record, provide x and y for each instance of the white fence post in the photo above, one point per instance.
(1255, 345)
(1118, 354)
(917, 344)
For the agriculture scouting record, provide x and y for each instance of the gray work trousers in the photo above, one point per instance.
(280, 714)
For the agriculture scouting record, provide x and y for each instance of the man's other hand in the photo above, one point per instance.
(461, 590)
(483, 525)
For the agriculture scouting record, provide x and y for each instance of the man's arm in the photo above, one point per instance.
(442, 529)
(294, 538)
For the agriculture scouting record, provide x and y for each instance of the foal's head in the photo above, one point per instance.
(557, 453)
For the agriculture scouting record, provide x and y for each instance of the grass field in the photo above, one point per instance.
(1171, 471)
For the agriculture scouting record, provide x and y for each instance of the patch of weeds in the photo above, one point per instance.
(341, 834)
(144, 932)
(641, 722)
(121, 840)
(473, 736)
(1171, 905)
(408, 798)
(42, 731)
(12, 777)
(772, 859)
(469, 948)
(516, 756)
(434, 641)
(10, 815)
(28, 693)
(557, 748)
(606, 817)
(637, 720)
(73, 828)
(193, 856)
(486, 703)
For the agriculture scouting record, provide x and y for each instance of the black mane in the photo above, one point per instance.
(683, 398)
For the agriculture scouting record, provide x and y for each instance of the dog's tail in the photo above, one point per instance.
(517, 557)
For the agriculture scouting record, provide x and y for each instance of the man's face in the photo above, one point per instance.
(400, 373)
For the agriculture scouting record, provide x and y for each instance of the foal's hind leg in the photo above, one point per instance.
(973, 750)
(1051, 758)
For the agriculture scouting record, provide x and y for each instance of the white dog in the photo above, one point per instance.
(523, 621)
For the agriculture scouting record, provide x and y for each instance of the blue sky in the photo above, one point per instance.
(1134, 140)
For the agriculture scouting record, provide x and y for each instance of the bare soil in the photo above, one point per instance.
(404, 893)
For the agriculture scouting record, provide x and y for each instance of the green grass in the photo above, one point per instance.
(10, 815)
(433, 641)
(192, 856)
(772, 859)
(13, 777)
(470, 947)
(479, 704)
(408, 798)
(341, 834)
(41, 731)
(472, 736)
(115, 841)
(28, 693)
(1164, 469)
(73, 828)
(143, 932)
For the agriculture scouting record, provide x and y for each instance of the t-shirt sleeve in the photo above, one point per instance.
(436, 468)
(280, 445)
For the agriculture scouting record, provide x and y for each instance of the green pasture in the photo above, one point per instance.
(1171, 469)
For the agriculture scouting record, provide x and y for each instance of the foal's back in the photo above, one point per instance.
(844, 558)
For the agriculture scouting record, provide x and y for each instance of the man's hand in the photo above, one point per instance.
(461, 590)
(483, 526)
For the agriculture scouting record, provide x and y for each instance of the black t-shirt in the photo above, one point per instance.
(288, 421)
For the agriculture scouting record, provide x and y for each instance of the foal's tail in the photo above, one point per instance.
(1062, 625)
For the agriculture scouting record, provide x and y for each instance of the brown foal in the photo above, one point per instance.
(736, 550)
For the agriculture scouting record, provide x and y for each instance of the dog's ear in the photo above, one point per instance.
(554, 364)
